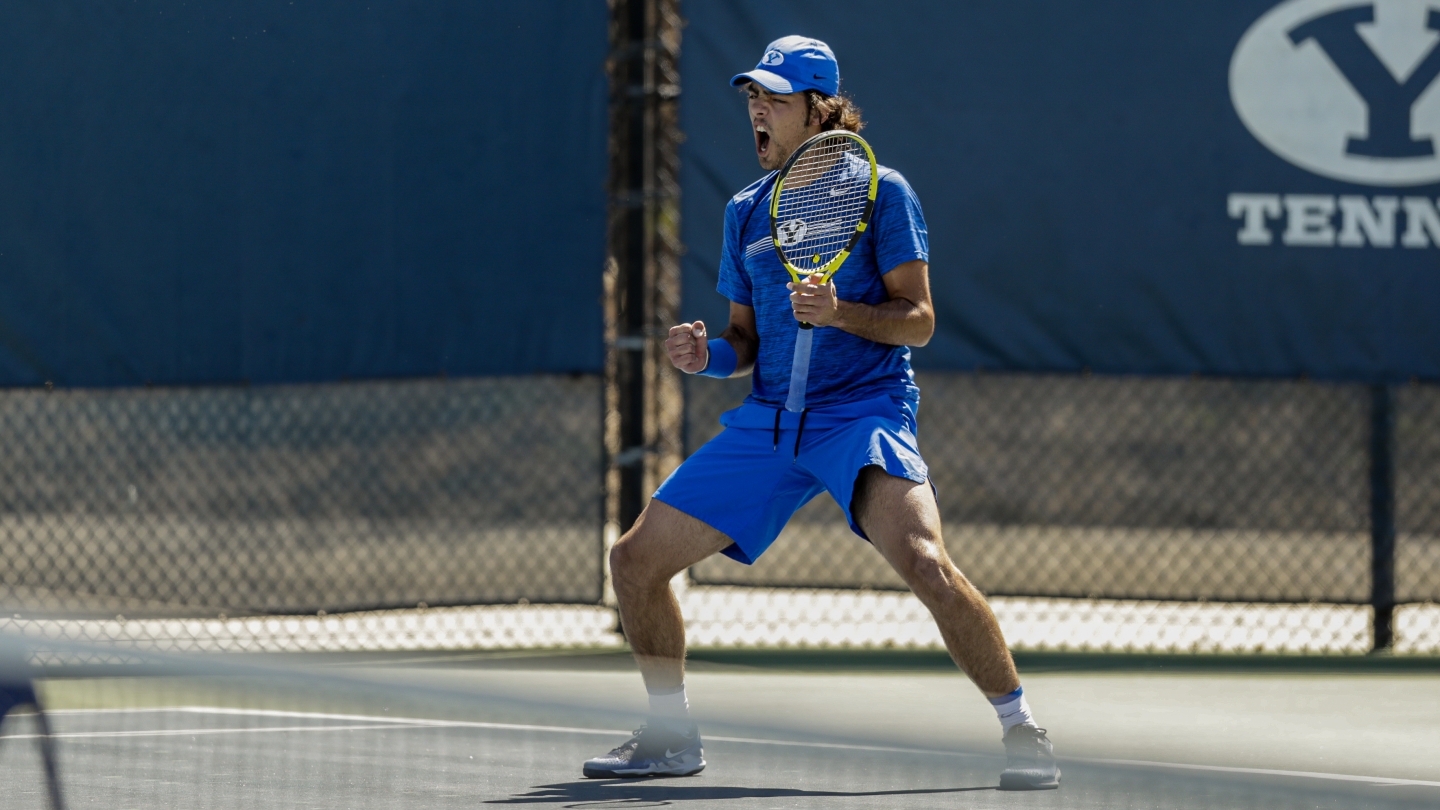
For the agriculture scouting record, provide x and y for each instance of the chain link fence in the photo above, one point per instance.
(228, 502)
(1417, 513)
(1417, 496)
(1098, 512)
(1148, 491)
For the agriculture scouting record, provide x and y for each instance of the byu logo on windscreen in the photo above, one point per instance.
(1345, 89)
(792, 232)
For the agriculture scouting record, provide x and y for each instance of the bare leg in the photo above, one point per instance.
(661, 544)
(903, 521)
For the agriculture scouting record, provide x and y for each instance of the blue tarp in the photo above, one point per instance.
(1101, 179)
(225, 190)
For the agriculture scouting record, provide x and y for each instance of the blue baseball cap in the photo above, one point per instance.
(793, 64)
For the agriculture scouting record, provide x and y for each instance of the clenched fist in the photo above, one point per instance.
(688, 347)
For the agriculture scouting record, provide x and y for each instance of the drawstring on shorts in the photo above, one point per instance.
(798, 433)
(801, 431)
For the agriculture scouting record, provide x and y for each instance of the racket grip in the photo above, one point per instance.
(800, 369)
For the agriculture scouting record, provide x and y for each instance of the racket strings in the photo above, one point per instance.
(822, 200)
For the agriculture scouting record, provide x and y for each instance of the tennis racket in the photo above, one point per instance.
(821, 205)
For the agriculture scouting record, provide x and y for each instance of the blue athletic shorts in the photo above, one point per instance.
(750, 479)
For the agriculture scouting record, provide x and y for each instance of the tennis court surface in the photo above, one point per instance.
(465, 730)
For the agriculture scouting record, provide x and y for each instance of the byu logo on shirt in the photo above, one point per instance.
(792, 232)
(772, 58)
(1342, 88)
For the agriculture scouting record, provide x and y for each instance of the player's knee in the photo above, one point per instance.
(932, 576)
(623, 560)
(629, 565)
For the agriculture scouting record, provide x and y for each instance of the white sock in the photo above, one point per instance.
(1012, 709)
(669, 706)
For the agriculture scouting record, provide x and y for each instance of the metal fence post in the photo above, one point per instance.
(1382, 515)
(643, 394)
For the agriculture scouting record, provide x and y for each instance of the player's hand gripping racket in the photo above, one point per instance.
(821, 205)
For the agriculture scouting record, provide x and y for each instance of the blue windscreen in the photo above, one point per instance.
(1240, 188)
(196, 191)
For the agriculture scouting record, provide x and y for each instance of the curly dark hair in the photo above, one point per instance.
(836, 112)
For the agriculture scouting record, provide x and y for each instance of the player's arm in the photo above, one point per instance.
(689, 346)
(907, 319)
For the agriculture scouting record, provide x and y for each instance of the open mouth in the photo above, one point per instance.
(762, 141)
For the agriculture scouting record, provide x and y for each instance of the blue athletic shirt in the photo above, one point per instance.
(844, 368)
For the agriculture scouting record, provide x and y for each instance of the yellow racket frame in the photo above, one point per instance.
(829, 268)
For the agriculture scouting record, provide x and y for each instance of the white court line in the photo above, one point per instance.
(418, 723)
(373, 722)
(1334, 777)
(193, 732)
(394, 722)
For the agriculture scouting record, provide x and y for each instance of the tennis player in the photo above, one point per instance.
(856, 439)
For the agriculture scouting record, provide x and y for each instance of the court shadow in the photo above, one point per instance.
(644, 792)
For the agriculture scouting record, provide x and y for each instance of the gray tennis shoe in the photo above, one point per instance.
(655, 750)
(1029, 760)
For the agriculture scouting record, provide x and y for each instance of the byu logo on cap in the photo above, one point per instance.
(1340, 88)
(792, 64)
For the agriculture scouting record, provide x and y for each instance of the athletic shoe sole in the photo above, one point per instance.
(1021, 781)
(686, 769)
